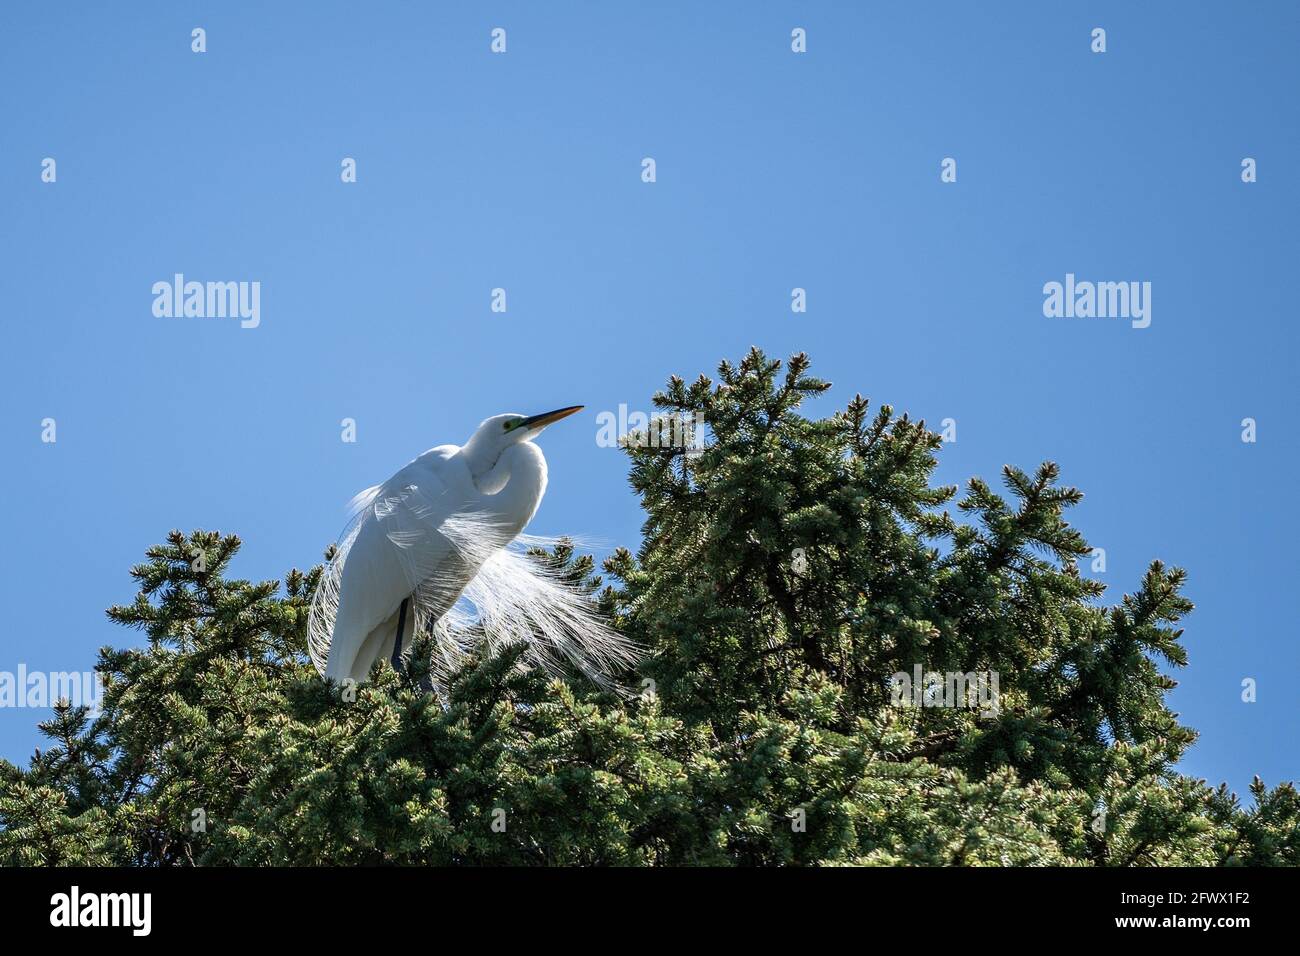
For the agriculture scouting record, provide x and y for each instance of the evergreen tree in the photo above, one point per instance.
(788, 570)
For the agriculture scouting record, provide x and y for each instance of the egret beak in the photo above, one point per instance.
(546, 418)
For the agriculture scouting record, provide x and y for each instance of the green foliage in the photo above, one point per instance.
(786, 572)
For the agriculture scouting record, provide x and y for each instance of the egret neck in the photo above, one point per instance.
(515, 485)
(507, 469)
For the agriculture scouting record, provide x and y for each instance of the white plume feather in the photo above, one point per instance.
(510, 598)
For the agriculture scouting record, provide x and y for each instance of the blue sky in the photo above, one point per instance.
(523, 171)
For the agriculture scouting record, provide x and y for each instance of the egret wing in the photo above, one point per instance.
(393, 548)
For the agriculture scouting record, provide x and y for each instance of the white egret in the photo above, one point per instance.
(437, 548)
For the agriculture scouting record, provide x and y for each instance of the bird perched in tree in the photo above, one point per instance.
(437, 548)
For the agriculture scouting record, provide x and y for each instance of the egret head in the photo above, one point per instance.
(499, 432)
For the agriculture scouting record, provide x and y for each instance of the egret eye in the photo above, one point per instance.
(512, 424)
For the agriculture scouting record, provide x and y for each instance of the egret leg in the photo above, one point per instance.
(401, 629)
(426, 684)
